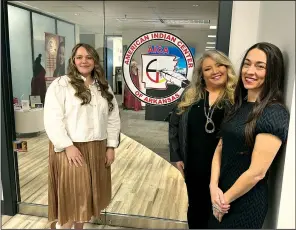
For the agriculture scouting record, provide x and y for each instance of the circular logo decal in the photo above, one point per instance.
(165, 68)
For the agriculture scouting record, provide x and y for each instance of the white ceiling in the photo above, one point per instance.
(89, 15)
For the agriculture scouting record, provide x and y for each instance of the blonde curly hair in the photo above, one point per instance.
(196, 90)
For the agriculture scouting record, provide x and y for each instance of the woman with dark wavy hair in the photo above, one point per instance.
(82, 121)
(251, 136)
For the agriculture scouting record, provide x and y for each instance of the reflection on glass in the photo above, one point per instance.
(38, 85)
(60, 61)
(20, 52)
(41, 25)
(144, 183)
(29, 83)
(68, 32)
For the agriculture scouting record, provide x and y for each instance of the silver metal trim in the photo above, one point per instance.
(111, 219)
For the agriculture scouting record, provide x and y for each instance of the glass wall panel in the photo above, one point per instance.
(20, 52)
(155, 35)
(29, 77)
(41, 25)
(135, 40)
(68, 31)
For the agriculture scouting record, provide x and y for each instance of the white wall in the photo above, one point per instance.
(272, 22)
(117, 56)
(99, 46)
(77, 33)
(88, 39)
(286, 214)
(99, 40)
(274, 18)
(244, 29)
(277, 25)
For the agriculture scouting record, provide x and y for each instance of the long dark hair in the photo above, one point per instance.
(97, 74)
(271, 92)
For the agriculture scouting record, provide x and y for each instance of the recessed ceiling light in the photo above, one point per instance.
(211, 43)
(211, 36)
(76, 14)
(213, 27)
(196, 5)
(210, 47)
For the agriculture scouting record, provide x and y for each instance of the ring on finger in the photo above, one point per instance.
(217, 209)
(215, 205)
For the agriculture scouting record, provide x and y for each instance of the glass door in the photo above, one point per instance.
(160, 42)
(148, 50)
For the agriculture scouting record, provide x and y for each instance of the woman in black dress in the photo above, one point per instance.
(252, 134)
(193, 127)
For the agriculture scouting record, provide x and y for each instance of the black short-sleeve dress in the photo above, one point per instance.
(249, 210)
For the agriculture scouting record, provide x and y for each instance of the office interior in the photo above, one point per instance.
(150, 192)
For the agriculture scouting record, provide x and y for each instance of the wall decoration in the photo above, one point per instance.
(165, 71)
(55, 57)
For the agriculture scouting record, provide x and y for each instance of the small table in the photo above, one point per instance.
(30, 121)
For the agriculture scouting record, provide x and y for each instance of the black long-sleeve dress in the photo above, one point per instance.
(190, 143)
(201, 148)
(249, 210)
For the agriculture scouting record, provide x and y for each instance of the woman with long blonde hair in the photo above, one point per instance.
(194, 126)
(81, 118)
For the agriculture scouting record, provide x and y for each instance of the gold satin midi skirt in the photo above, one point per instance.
(78, 193)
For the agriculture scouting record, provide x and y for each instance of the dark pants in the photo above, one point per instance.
(199, 201)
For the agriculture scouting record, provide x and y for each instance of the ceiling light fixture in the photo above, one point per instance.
(121, 19)
(138, 20)
(185, 21)
(196, 5)
(211, 36)
(211, 43)
(148, 21)
(165, 21)
(213, 27)
(76, 14)
(210, 47)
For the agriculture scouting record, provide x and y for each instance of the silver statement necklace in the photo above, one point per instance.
(209, 116)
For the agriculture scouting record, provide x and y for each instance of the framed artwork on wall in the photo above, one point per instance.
(34, 100)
